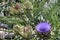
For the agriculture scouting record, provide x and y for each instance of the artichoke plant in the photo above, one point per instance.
(32, 12)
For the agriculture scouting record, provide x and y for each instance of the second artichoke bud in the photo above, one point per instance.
(24, 31)
(28, 5)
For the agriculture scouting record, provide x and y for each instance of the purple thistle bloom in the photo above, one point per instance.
(43, 27)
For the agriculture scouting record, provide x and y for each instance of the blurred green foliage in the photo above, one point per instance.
(31, 12)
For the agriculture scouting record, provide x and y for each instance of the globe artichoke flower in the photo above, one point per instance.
(43, 29)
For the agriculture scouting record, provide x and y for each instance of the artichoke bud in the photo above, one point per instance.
(16, 28)
(28, 5)
(24, 31)
(27, 31)
(16, 8)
